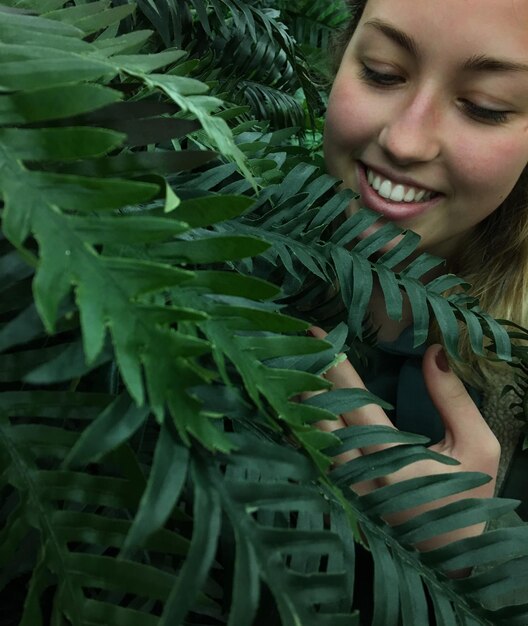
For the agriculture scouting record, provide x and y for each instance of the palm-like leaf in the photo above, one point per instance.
(293, 215)
(245, 42)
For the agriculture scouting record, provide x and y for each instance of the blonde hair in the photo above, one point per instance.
(494, 256)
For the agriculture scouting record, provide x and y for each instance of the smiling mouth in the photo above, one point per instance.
(396, 192)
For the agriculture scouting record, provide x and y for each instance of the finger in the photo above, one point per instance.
(330, 425)
(344, 376)
(468, 436)
(317, 332)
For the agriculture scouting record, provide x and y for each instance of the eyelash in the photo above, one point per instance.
(476, 112)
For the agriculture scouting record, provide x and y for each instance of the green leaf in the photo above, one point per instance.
(210, 249)
(192, 576)
(71, 13)
(386, 581)
(385, 462)
(148, 62)
(416, 491)
(412, 597)
(39, 73)
(61, 144)
(93, 529)
(443, 611)
(246, 583)
(128, 43)
(133, 163)
(103, 572)
(54, 103)
(113, 427)
(344, 400)
(183, 91)
(211, 209)
(77, 193)
(232, 284)
(391, 292)
(103, 613)
(418, 268)
(53, 404)
(377, 240)
(166, 480)
(40, 580)
(494, 584)
(448, 322)
(10, 34)
(362, 290)
(43, 5)
(354, 226)
(271, 347)
(485, 549)
(452, 516)
(68, 363)
(420, 311)
(354, 437)
(125, 229)
(93, 16)
(476, 334)
(500, 337)
(252, 318)
(39, 24)
(138, 277)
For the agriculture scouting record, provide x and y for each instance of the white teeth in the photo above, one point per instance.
(386, 189)
(409, 196)
(395, 191)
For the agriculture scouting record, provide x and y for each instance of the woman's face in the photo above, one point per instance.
(432, 98)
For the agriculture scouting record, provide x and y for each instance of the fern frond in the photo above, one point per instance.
(292, 215)
(71, 510)
(393, 549)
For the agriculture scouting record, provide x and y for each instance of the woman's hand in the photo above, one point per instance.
(468, 438)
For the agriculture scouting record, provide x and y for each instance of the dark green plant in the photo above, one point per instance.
(155, 466)
(248, 52)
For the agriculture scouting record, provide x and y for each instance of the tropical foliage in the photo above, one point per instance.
(163, 250)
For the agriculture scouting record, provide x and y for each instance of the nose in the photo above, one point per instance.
(412, 131)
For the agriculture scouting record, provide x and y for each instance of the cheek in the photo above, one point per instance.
(350, 120)
(489, 170)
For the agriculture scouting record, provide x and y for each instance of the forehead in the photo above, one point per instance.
(492, 27)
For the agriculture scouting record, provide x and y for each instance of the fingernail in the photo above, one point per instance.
(442, 362)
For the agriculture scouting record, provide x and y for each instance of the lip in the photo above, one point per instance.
(397, 178)
(394, 211)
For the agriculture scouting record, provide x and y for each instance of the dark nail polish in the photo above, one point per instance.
(441, 361)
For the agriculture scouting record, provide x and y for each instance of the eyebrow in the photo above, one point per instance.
(476, 63)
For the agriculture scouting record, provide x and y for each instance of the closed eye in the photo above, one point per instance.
(378, 78)
(476, 112)
(485, 115)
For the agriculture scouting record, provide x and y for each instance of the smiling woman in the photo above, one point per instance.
(428, 121)
(432, 98)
